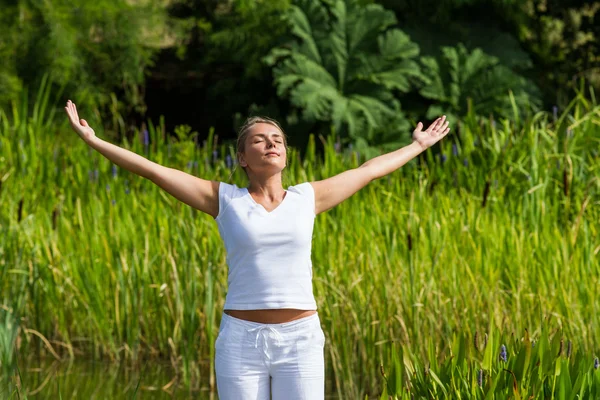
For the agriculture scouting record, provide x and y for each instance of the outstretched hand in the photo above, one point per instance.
(436, 132)
(79, 125)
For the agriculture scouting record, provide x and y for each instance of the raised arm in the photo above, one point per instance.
(332, 191)
(199, 193)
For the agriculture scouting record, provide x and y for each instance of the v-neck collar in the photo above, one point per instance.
(261, 207)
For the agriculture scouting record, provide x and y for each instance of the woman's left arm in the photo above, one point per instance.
(384, 164)
(334, 190)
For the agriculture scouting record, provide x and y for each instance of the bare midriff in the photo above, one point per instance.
(274, 316)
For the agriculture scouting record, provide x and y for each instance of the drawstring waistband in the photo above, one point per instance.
(261, 329)
(266, 330)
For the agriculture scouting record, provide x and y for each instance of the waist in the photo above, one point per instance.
(271, 316)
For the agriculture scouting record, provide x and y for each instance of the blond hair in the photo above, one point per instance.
(245, 130)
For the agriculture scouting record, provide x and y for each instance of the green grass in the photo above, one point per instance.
(500, 238)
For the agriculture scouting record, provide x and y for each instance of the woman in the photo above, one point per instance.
(270, 339)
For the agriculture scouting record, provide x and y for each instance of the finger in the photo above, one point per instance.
(69, 113)
(84, 122)
(72, 114)
(440, 122)
(432, 126)
(443, 127)
(75, 111)
(419, 126)
(442, 134)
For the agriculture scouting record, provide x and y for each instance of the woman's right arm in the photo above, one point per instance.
(199, 193)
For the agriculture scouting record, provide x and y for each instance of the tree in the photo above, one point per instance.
(93, 48)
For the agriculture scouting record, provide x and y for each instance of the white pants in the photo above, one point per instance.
(248, 354)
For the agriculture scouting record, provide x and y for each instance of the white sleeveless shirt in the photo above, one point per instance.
(268, 253)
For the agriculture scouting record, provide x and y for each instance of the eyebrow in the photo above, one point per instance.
(263, 135)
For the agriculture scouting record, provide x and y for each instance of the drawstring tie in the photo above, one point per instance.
(261, 329)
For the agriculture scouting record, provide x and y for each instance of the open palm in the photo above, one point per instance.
(436, 132)
(79, 125)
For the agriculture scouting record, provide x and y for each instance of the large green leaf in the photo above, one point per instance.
(459, 75)
(343, 65)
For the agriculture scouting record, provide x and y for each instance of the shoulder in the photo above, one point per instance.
(306, 190)
(302, 188)
(229, 189)
(227, 193)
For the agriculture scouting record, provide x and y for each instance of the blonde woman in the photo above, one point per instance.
(270, 342)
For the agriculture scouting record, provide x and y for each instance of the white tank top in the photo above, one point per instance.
(268, 253)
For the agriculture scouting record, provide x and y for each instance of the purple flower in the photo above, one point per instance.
(113, 202)
(480, 377)
(503, 355)
(337, 146)
(146, 137)
(596, 363)
(443, 158)
(195, 164)
(114, 171)
(555, 112)
(466, 162)
(127, 190)
(228, 161)
(189, 165)
(215, 156)
(96, 173)
(108, 188)
(454, 149)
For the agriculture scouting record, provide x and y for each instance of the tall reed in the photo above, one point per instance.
(495, 226)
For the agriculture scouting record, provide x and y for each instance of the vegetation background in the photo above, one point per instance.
(368, 68)
(493, 231)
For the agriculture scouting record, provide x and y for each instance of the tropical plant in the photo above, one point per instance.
(344, 65)
(459, 80)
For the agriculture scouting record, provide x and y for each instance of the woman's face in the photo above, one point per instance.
(263, 140)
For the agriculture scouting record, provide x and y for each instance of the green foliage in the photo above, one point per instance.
(247, 32)
(563, 38)
(548, 367)
(461, 80)
(500, 231)
(344, 66)
(91, 48)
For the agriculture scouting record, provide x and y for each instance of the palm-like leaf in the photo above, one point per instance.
(343, 65)
(459, 75)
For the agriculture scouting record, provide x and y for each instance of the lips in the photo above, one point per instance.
(271, 152)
